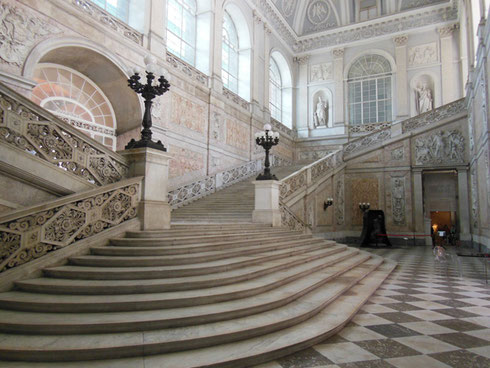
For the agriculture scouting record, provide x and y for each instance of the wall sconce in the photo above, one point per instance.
(364, 206)
(327, 203)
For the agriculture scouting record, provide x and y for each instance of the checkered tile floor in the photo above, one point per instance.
(426, 315)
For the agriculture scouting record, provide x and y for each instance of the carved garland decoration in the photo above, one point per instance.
(30, 237)
(398, 200)
(24, 129)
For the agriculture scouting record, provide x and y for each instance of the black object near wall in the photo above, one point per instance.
(374, 229)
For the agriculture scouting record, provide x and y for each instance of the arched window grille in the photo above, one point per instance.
(76, 99)
(275, 90)
(369, 90)
(230, 54)
(181, 29)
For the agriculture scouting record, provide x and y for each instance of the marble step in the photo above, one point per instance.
(69, 323)
(192, 239)
(19, 300)
(79, 347)
(140, 286)
(179, 259)
(128, 250)
(189, 248)
(201, 232)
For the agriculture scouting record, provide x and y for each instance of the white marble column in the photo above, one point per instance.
(448, 70)
(463, 205)
(302, 96)
(257, 65)
(338, 72)
(402, 109)
(152, 164)
(157, 28)
(216, 40)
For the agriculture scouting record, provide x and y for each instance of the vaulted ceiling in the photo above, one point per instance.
(311, 16)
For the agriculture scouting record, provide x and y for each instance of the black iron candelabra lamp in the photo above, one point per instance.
(267, 139)
(148, 91)
(327, 203)
(364, 206)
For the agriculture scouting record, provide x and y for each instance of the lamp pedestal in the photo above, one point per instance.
(154, 210)
(267, 203)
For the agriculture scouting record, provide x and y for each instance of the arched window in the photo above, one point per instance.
(181, 29)
(76, 99)
(129, 11)
(280, 89)
(229, 71)
(275, 91)
(369, 85)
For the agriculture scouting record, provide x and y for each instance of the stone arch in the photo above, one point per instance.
(105, 69)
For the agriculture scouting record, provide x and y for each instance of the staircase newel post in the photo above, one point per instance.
(152, 164)
(267, 202)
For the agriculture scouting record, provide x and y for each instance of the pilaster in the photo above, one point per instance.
(216, 81)
(463, 205)
(338, 72)
(302, 98)
(401, 77)
(449, 87)
(257, 84)
(157, 28)
(267, 56)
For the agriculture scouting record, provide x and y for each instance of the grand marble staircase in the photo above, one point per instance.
(215, 290)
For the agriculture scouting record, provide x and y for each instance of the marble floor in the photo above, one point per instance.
(427, 314)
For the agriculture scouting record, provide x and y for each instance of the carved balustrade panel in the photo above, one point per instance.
(434, 116)
(292, 184)
(367, 141)
(368, 128)
(290, 220)
(321, 167)
(44, 229)
(55, 141)
(190, 192)
(187, 69)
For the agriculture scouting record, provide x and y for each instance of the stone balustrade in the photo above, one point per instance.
(31, 233)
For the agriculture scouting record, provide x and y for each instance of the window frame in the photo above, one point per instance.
(183, 43)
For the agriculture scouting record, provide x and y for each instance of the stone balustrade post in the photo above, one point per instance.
(267, 203)
(154, 210)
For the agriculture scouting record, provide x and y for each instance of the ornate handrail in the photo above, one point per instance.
(429, 118)
(26, 126)
(291, 220)
(202, 187)
(434, 116)
(30, 233)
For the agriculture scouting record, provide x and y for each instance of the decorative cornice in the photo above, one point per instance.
(338, 53)
(384, 26)
(301, 60)
(401, 40)
(447, 31)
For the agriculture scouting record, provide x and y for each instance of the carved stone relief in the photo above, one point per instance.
(321, 72)
(443, 147)
(339, 200)
(217, 126)
(398, 154)
(474, 198)
(422, 54)
(319, 16)
(184, 161)
(398, 200)
(18, 33)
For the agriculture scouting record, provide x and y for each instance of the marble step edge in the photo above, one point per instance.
(199, 232)
(178, 298)
(168, 277)
(56, 303)
(134, 260)
(92, 323)
(187, 338)
(128, 248)
(168, 271)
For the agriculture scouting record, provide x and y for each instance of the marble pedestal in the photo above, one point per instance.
(267, 203)
(154, 210)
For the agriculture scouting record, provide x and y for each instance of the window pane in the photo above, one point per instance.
(181, 29)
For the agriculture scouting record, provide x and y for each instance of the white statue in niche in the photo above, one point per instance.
(423, 99)
(320, 116)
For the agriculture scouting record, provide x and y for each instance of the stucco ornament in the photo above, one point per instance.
(339, 200)
(18, 32)
(398, 154)
(398, 200)
(318, 12)
(321, 72)
(288, 7)
(422, 54)
(474, 198)
(440, 148)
